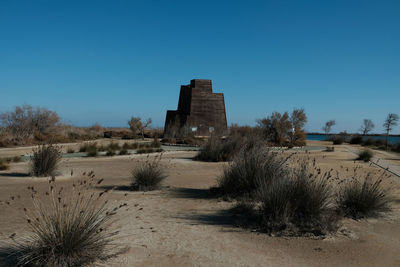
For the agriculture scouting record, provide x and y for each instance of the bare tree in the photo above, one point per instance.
(390, 122)
(136, 125)
(24, 121)
(276, 127)
(328, 126)
(367, 126)
(298, 119)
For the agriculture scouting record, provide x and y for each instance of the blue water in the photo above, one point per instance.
(322, 137)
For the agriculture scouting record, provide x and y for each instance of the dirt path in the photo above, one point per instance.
(381, 159)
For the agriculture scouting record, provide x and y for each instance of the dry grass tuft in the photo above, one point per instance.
(148, 175)
(361, 198)
(45, 160)
(66, 228)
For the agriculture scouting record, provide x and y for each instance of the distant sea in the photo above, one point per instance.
(322, 137)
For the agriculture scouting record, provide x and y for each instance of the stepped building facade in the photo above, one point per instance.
(200, 112)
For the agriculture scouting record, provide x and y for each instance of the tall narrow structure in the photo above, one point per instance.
(200, 111)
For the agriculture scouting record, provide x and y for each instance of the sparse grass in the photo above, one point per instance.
(148, 175)
(365, 198)
(365, 155)
(66, 229)
(296, 204)
(250, 166)
(44, 160)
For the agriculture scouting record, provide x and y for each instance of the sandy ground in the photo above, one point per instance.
(181, 225)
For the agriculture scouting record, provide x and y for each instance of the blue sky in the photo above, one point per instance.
(104, 61)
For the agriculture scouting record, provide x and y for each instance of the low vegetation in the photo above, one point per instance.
(365, 155)
(337, 140)
(364, 198)
(148, 150)
(4, 165)
(297, 203)
(44, 160)
(68, 227)
(217, 149)
(148, 175)
(5, 162)
(356, 140)
(252, 165)
(287, 195)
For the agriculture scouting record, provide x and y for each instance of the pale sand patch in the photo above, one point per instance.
(181, 225)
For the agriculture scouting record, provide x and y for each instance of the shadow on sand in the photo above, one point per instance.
(194, 193)
(116, 187)
(14, 174)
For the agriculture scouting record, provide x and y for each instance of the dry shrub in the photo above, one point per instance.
(365, 155)
(66, 228)
(113, 146)
(297, 203)
(217, 149)
(123, 151)
(148, 175)
(4, 165)
(44, 160)
(254, 163)
(360, 198)
(337, 140)
(110, 153)
(356, 140)
(70, 150)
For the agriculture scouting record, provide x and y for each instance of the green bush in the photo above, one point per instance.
(148, 175)
(365, 155)
(44, 160)
(72, 232)
(366, 198)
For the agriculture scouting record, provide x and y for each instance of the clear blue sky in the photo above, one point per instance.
(104, 61)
